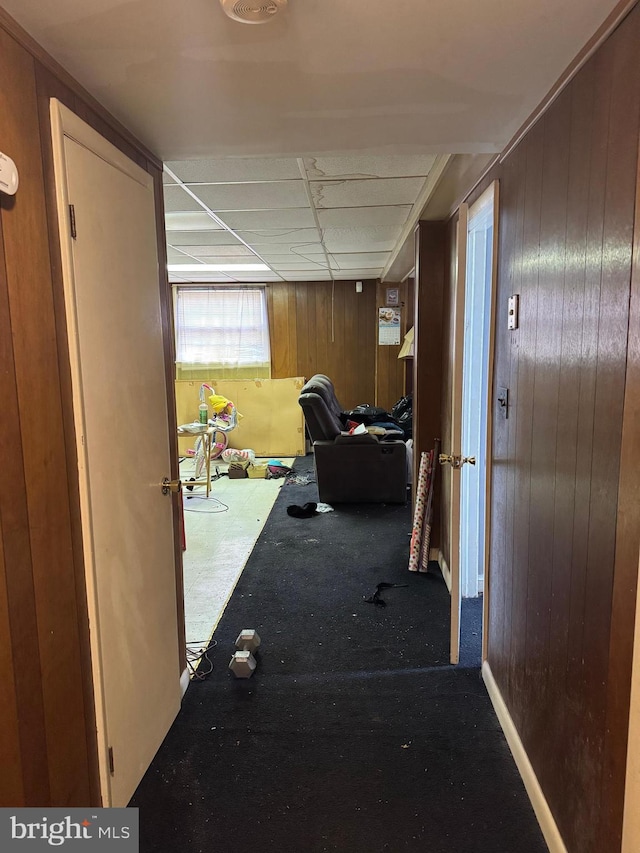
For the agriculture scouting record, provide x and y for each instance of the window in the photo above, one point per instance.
(222, 327)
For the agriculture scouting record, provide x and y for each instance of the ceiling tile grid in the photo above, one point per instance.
(303, 218)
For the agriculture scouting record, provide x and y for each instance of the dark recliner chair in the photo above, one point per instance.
(350, 468)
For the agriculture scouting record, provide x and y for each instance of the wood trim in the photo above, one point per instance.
(13, 28)
(444, 568)
(489, 444)
(456, 428)
(468, 193)
(167, 310)
(625, 585)
(540, 806)
(428, 188)
(613, 20)
(45, 85)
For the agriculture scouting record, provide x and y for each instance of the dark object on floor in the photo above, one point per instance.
(350, 468)
(306, 511)
(375, 598)
(348, 739)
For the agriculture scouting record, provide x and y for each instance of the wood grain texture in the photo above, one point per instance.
(565, 518)
(50, 759)
(431, 259)
(317, 327)
(391, 371)
(36, 371)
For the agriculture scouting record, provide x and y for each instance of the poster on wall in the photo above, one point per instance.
(389, 326)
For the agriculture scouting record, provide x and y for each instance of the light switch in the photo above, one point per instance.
(514, 304)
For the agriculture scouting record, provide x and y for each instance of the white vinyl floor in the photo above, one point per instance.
(220, 534)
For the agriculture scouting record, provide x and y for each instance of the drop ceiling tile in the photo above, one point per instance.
(175, 198)
(359, 260)
(234, 169)
(189, 221)
(279, 236)
(300, 265)
(269, 219)
(306, 275)
(292, 258)
(366, 217)
(383, 191)
(268, 196)
(202, 238)
(384, 166)
(373, 239)
(226, 259)
(200, 278)
(256, 278)
(237, 250)
(176, 257)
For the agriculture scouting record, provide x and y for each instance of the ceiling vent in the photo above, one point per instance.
(252, 11)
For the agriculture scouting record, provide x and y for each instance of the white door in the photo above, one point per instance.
(122, 431)
(469, 457)
(475, 389)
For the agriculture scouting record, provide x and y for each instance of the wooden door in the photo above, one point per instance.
(470, 416)
(121, 420)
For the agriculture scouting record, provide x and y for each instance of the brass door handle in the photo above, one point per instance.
(455, 461)
(171, 486)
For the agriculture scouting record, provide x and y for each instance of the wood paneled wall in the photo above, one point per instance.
(565, 515)
(318, 328)
(391, 372)
(428, 336)
(47, 721)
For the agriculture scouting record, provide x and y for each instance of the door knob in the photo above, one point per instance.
(171, 486)
(455, 461)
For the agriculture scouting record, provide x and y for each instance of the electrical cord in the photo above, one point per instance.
(195, 656)
(221, 507)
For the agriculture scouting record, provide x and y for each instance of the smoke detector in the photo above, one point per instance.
(252, 11)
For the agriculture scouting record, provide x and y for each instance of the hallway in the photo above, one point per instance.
(354, 735)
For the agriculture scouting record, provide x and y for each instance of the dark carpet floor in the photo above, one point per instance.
(354, 735)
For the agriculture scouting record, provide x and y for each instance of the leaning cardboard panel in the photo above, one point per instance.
(272, 422)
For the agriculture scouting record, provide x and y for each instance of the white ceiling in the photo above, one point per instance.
(314, 137)
(313, 218)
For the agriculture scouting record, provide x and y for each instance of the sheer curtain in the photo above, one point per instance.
(223, 332)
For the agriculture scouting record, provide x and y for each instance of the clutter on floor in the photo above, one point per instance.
(306, 511)
(353, 733)
(272, 425)
(243, 661)
(376, 599)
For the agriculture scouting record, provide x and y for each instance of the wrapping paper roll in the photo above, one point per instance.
(422, 493)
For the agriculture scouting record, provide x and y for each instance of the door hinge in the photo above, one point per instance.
(111, 764)
(72, 220)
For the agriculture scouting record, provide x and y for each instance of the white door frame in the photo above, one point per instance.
(456, 422)
(66, 124)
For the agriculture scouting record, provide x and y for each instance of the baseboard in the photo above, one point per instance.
(184, 681)
(444, 568)
(540, 806)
